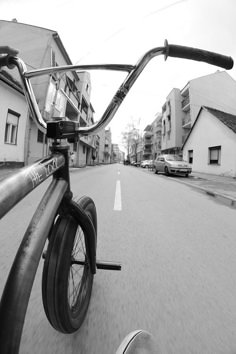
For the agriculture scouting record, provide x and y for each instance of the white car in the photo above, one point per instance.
(172, 164)
(147, 163)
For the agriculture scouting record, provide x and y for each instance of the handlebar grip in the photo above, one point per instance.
(5, 60)
(212, 58)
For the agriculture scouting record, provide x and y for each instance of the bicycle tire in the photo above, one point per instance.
(66, 309)
(138, 342)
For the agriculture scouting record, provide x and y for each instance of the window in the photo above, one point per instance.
(83, 149)
(53, 58)
(11, 127)
(41, 136)
(190, 156)
(164, 127)
(84, 106)
(169, 123)
(214, 155)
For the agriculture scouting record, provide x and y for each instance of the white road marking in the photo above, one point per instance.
(117, 202)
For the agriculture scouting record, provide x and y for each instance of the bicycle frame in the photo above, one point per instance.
(17, 291)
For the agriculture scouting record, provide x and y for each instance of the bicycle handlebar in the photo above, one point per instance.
(133, 73)
(212, 58)
(5, 60)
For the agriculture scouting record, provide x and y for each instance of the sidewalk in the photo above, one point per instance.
(5, 172)
(220, 187)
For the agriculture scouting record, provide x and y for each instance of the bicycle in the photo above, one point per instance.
(69, 224)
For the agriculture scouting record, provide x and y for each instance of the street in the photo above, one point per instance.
(177, 249)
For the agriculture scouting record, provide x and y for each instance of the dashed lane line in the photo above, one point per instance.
(117, 202)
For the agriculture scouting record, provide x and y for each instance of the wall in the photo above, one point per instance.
(16, 102)
(200, 140)
(217, 90)
(81, 155)
(175, 136)
(36, 150)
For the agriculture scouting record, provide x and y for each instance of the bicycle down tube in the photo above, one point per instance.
(20, 280)
(15, 188)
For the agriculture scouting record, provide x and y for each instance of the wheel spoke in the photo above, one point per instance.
(77, 287)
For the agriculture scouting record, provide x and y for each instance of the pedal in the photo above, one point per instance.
(108, 265)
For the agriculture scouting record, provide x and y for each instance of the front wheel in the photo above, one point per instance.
(138, 342)
(67, 278)
(166, 171)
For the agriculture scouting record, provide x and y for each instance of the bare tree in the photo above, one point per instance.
(131, 138)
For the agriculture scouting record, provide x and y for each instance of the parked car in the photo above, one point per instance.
(126, 162)
(136, 164)
(147, 163)
(172, 164)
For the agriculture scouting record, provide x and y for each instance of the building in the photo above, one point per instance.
(65, 95)
(211, 144)
(152, 139)
(171, 141)
(179, 112)
(117, 154)
(147, 142)
(104, 154)
(156, 139)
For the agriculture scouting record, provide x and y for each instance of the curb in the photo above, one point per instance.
(230, 201)
(223, 197)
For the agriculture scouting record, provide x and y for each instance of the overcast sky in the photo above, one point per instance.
(109, 31)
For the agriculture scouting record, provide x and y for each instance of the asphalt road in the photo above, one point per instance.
(177, 249)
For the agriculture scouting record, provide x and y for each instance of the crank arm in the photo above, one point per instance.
(101, 265)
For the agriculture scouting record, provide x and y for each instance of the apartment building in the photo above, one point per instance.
(151, 140)
(135, 153)
(66, 95)
(104, 151)
(179, 112)
(147, 142)
(156, 137)
(115, 153)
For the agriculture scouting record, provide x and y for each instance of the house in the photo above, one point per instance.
(13, 123)
(211, 144)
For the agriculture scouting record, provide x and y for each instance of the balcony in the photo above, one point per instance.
(186, 122)
(147, 142)
(185, 104)
(147, 151)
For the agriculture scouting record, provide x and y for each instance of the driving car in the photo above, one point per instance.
(172, 164)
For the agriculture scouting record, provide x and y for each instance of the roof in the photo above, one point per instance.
(8, 79)
(226, 118)
(54, 34)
